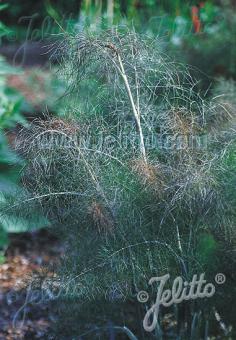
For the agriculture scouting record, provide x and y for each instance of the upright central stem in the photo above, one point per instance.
(135, 111)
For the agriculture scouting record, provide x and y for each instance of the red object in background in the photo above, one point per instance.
(195, 19)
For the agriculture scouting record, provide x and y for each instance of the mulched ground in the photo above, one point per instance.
(27, 255)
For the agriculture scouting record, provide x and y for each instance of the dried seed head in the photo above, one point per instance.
(151, 176)
(70, 127)
(102, 219)
(182, 123)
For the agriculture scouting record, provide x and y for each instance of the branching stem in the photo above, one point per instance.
(136, 112)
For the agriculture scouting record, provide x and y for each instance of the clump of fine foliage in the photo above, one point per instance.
(138, 181)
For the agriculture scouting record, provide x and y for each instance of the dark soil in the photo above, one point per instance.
(28, 254)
